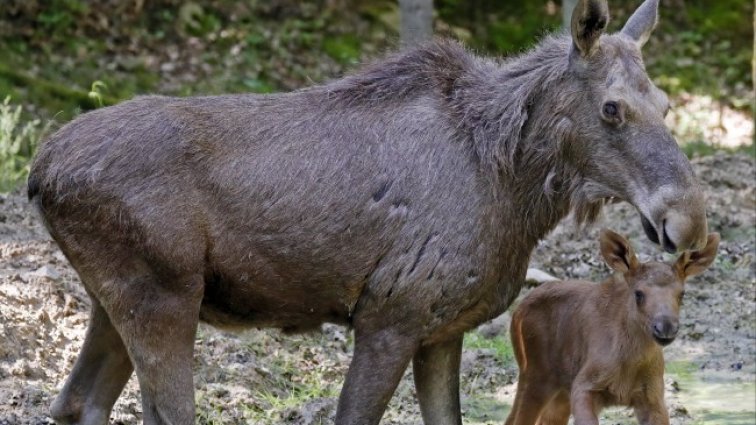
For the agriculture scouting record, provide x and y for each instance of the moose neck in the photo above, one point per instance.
(517, 113)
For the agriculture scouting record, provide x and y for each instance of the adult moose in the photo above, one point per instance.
(403, 200)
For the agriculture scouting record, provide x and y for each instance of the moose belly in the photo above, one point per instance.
(239, 302)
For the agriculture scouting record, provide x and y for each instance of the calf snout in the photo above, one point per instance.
(665, 329)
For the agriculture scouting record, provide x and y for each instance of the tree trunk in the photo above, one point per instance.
(416, 20)
(567, 7)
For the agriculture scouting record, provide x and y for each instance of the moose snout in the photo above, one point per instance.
(665, 329)
(678, 220)
(683, 230)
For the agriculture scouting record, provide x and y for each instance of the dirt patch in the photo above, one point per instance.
(267, 378)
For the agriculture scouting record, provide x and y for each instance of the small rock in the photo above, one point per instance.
(680, 411)
(46, 271)
(495, 327)
(538, 276)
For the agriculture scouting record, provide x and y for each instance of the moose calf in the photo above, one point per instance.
(581, 347)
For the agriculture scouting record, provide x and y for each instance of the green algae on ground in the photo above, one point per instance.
(718, 398)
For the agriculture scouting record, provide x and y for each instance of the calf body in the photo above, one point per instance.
(403, 200)
(582, 346)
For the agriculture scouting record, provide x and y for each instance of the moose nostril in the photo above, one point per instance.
(658, 329)
(667, 243)
(665, 329)
(651, 233)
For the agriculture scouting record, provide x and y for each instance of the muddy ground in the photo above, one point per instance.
(264, 377)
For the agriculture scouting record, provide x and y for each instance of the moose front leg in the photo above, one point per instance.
(436, 371)
(380, 358)
(650, 408)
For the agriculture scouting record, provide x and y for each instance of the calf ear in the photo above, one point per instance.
(692, 263)
(617, 252)
(588, 22)
(642, 23)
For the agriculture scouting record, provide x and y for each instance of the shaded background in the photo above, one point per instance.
(61, 57)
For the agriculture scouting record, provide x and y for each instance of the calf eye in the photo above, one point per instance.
(639, 297)
(611, 109)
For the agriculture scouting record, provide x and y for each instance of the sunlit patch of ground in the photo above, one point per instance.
(701, 118)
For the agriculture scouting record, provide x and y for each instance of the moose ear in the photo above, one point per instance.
(617, 252)
(589, 20)
(693, 263)
(642, 23)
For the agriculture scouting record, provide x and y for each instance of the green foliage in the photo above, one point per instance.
(17, 143)
(500, 346)
(501, 27)
(700, 148)
(96, 92)
(60, 15)
(345, 48)
(195, 20)
(54, 50)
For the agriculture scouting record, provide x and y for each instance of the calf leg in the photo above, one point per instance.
(158, 322)
(650, 408)
(532, 396)
(436, 371)
(379, 361)
(98, 377)
(584, 408)
(557, 412)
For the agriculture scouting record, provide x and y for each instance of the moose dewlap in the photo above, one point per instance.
(582, 346)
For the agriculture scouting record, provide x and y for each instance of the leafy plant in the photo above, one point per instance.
(17, 144)
(96, 92)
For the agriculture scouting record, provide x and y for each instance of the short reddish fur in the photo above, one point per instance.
(582, 346)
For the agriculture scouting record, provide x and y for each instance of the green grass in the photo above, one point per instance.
(18, 142)
(500, 346)
(485, 410)
(291, 380)
(680, 368)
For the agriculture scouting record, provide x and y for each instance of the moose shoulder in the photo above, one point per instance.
(404, 200)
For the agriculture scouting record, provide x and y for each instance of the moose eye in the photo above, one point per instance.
(639, 297)
(611, 109)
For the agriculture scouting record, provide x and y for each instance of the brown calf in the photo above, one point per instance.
(581, 346)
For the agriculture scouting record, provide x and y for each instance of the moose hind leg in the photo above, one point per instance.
(378, 364)
(158, 322)
(436, 372)
(98, 377)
